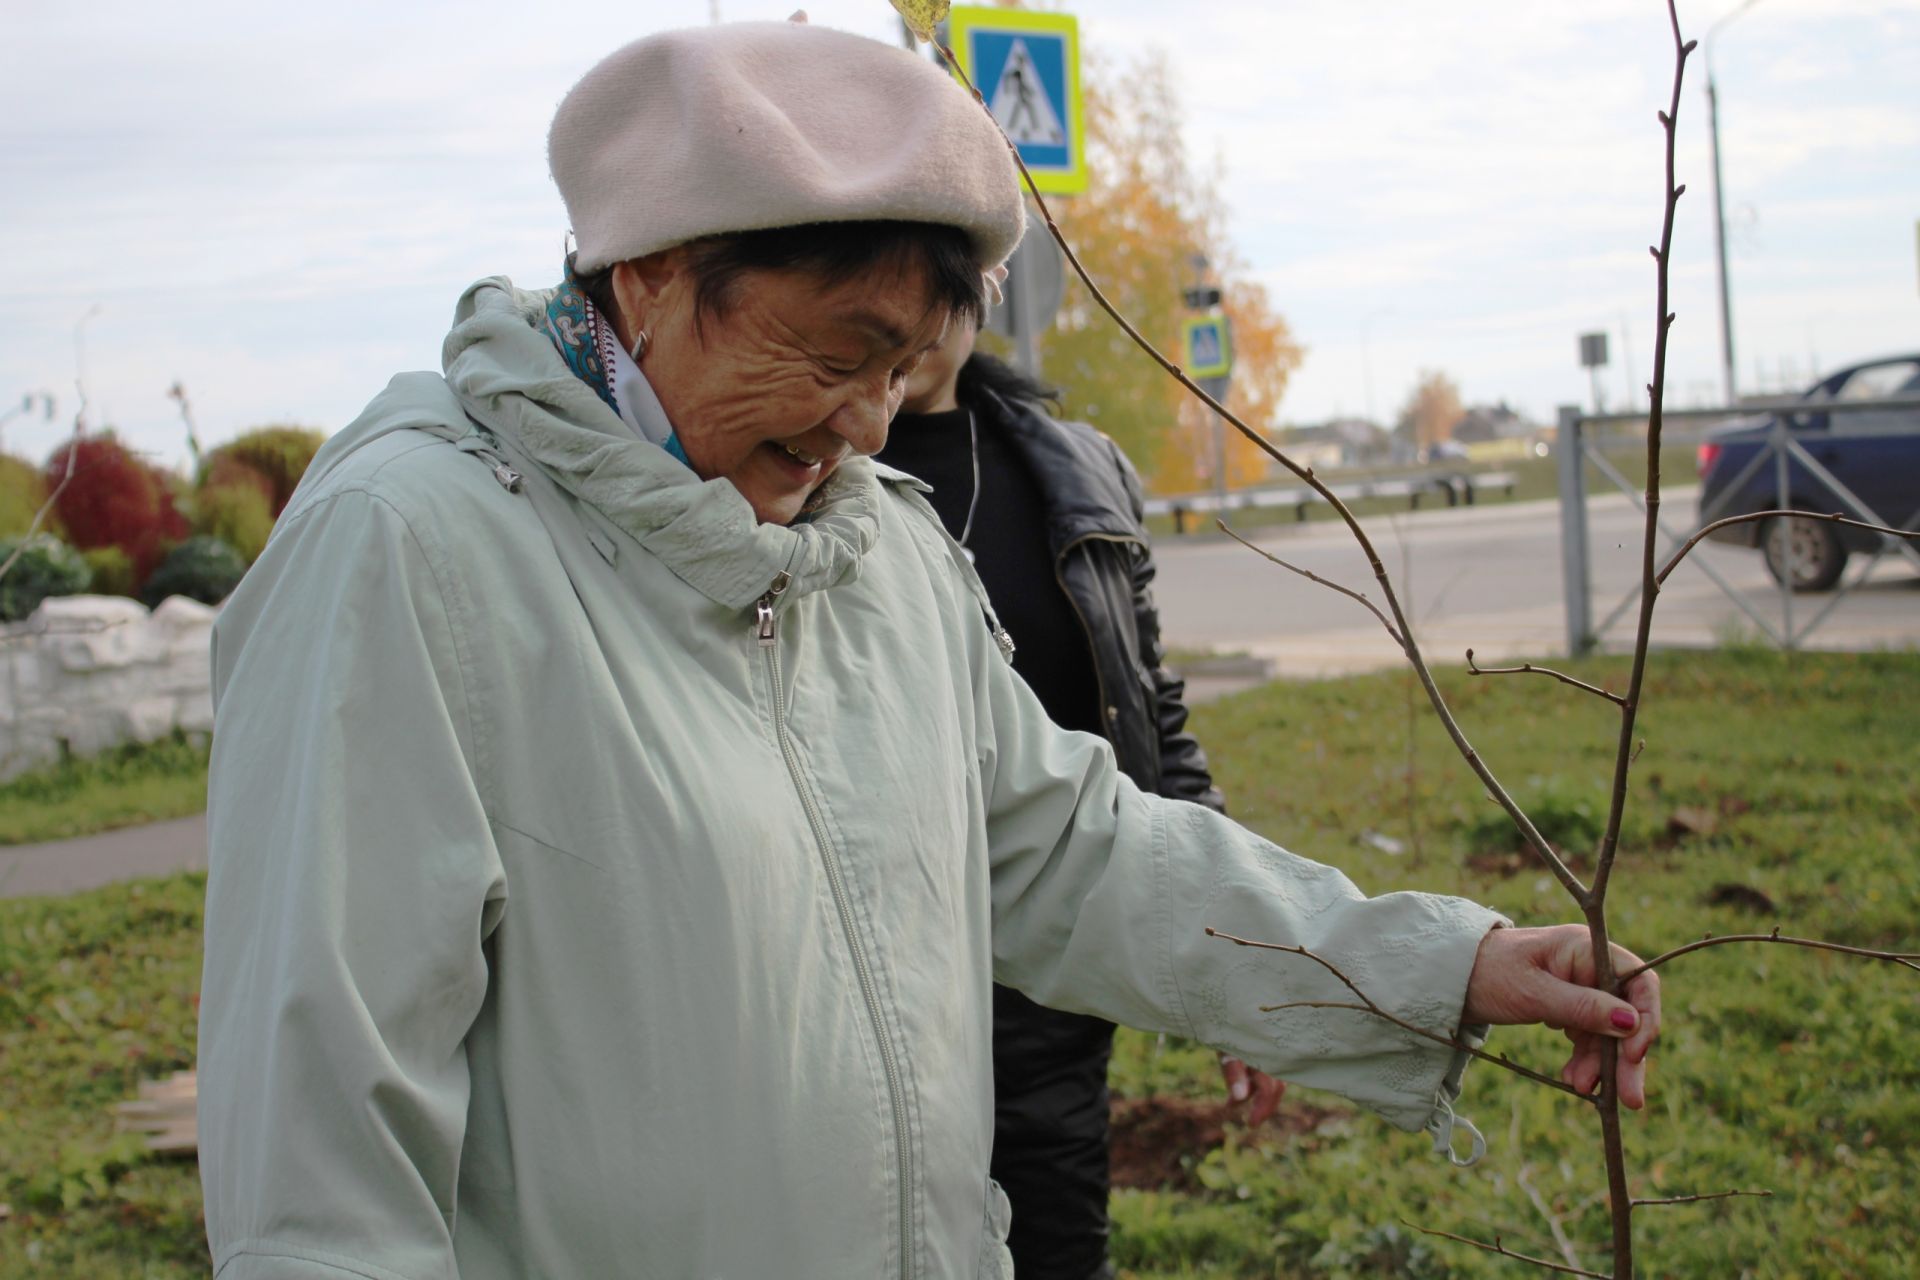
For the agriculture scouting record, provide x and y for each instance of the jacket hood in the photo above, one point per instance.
(501, 366)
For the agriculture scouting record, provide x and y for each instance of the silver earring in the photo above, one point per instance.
(639, 348)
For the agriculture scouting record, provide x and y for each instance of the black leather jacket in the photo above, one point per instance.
(1104, 563)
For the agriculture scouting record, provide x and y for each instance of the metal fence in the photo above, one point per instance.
(1455, 488)
(1582, 442)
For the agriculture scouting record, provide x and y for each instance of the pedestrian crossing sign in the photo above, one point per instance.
(1207, 348)
(1027, 67)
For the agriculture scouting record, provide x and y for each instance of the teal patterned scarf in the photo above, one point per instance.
(585, 340)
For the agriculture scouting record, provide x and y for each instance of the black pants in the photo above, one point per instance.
(1050, 1136)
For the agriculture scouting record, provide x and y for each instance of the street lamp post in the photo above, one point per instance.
(1720, 204)
(1366, 360)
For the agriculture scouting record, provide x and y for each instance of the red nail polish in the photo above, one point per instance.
(1624, 1019)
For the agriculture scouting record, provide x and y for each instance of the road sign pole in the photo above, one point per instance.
(1217, 388)
(1025, 323)
(1573, 532)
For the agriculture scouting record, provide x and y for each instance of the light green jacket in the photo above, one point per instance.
(604, 885)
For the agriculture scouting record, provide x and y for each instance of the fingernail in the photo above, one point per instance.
(1239, 1090)
(1625, 1019)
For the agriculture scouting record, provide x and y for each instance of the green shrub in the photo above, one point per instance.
(280, 454)
(47, 567)
(201, 568)
(22, 493)
(238, 514)
(112, 571)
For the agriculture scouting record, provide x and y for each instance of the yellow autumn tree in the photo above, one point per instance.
(1144, 216)
(1432, 410)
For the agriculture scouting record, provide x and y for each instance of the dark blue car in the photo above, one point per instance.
(1874, 454)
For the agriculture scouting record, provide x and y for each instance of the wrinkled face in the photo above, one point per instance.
(796, 375)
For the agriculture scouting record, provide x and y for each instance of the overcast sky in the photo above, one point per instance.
(278, 204)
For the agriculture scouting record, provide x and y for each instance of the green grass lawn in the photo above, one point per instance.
(123, 787)
(1785, 1070)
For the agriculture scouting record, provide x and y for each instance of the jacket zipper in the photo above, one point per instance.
(765, 632)
(1059, 564)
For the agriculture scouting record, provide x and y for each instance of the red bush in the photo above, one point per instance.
(116, 500)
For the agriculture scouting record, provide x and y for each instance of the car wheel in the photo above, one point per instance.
(1804, 554)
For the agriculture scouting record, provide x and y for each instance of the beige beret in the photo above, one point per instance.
(749, 125)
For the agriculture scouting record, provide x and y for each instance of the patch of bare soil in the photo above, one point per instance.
(1158, 1142)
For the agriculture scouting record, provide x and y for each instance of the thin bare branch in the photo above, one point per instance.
(1910, 959)
(53, 498)
(1712, 1195)
(1649, 584)
(1367, 1005)
(79, 430)
(1553, 1219)
(1527, 668)
(1753, 516)
(1535, 841)
(1310, 576)
(1503, 1251)
(1619, 1197)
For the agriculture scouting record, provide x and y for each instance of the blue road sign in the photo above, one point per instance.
(1027, 67)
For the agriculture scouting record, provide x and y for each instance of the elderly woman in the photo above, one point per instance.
(622, 803)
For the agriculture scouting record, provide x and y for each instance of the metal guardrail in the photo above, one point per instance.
(1751, 409)
(1577, 446)
(1459, 488)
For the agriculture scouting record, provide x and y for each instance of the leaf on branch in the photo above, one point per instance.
(922, 16)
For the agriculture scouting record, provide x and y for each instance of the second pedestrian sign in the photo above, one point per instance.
(1027, 66)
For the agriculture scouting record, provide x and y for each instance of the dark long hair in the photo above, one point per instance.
(983, 372)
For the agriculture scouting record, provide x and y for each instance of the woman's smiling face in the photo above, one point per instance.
(774, 391)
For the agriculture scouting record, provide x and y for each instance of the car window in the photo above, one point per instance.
(1879, 381)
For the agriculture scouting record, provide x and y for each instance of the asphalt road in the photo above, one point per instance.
(68, 866)
(1490, 579)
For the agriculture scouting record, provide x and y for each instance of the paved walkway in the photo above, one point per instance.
(131, 853)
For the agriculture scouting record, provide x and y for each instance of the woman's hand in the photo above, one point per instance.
(1244, 1083)
(1523, 976)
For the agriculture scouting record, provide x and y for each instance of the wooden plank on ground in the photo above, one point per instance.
(167, 1112)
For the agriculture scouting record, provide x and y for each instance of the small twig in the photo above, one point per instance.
(1553, 1219)
(1367, 1005)
(1503, 1251)
(1907, 958)
(53, 499)
(1713, 1195)
(1310, 576)
(178, 394)
(1751, 516)
(1527, 668)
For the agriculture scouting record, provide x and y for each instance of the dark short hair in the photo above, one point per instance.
(989, 373)
(835, 253)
